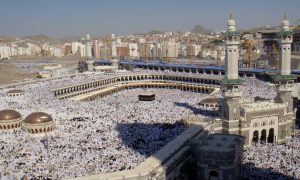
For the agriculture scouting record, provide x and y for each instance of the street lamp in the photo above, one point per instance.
(116, 107)
(293, 141)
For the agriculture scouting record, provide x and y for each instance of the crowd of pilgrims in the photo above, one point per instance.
(108, 134)
(270, 161)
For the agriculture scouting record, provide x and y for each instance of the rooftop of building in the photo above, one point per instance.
(261, 106)
(9, 114)
(221, 142)
(14, 91)
(38, 118)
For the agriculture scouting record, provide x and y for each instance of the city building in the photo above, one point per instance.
(96, 49)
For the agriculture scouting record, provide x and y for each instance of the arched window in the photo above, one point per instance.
(255, 125)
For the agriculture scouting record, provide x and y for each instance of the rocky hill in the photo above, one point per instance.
(198, 29)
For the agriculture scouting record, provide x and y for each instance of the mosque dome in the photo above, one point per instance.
(9, 114)
(38, 118)
(210, 103)
(210, 100)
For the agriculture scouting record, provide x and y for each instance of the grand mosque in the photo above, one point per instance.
(207, 149)
(214, 149)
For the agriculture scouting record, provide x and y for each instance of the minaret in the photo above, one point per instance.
(90, 61)
(232, 50)
(284, 80)
(231, 84)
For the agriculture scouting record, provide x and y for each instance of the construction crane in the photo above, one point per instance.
(145, 52)
(219, 53)
(249, 45)
(106, 45)
(275, 54)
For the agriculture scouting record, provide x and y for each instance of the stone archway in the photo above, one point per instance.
(298, 113)
(271, 136)
(255, 136)
(263, 136)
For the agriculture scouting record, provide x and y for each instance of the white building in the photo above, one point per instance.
(57, 52)
(78, 48)
(5, 52)
(34, 49)
(113, 49)
(133, 50)
(88, 49)
(23, 51)
(170, 49)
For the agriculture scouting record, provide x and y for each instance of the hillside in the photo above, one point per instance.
(198, 29)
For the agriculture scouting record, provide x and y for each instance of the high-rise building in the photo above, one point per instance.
(88, 37)
(170, 50)
(96, 49)
(133, 50)
(88, 48)
(113, 49)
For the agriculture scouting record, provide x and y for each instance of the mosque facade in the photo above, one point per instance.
(257, 120)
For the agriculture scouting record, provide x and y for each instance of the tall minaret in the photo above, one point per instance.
(232, 50)
(90, 61)
(231, 84)
(284, 80)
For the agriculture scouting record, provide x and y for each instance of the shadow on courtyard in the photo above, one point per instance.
(196, 110)
(147, 139)
(262, 173)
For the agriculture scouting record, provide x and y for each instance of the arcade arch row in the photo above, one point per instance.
(133, 85)
(95, 85)
(264, 136)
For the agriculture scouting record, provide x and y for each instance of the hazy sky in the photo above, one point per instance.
(59, 18)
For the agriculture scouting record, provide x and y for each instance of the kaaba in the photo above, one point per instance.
(147, 97)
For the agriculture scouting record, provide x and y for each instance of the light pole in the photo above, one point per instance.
(293, 141)
(116, 108)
